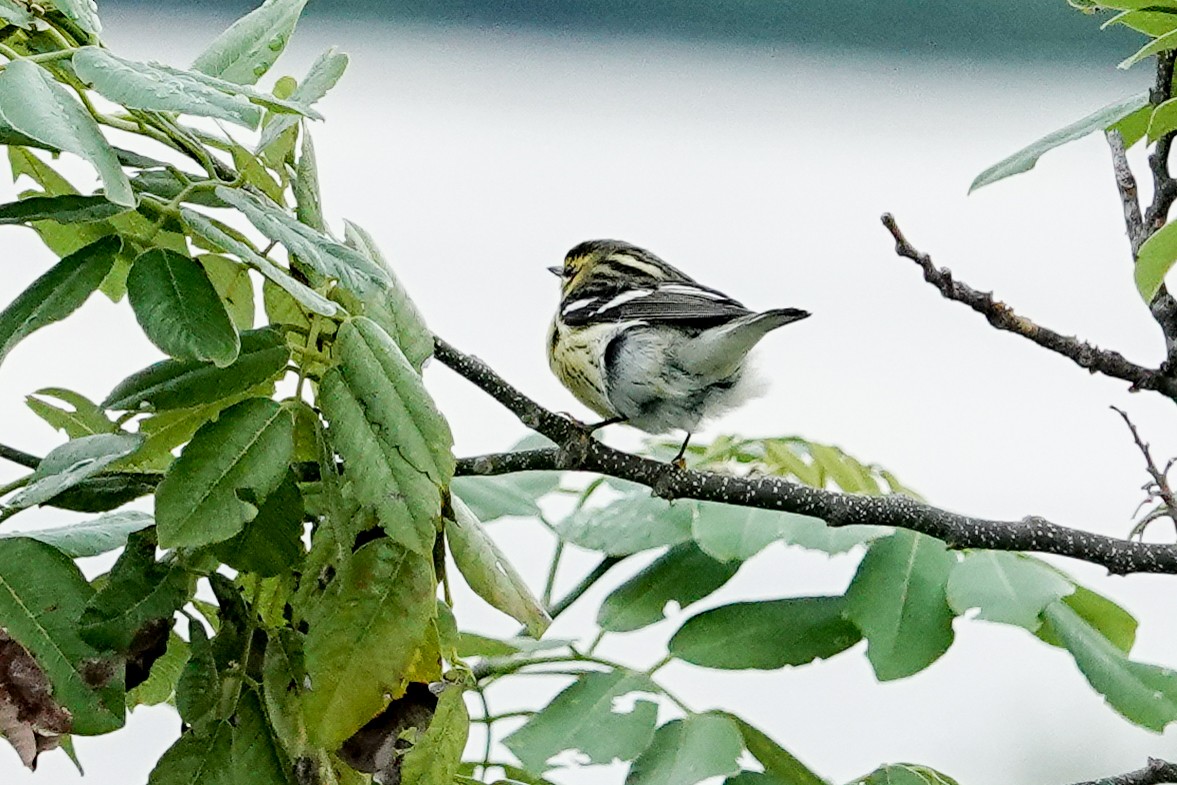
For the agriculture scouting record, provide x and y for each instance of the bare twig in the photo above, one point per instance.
(1126, 185)
(1158, 489)
(1001, 316)
(1156, 772)
(1163, 306)
(578, 451)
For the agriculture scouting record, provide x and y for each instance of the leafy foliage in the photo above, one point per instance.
(305, 457)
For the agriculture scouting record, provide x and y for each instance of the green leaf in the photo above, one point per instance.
(779, 764)
(69, 464)
(204, 227)
(898, 600)
(83, 13)
(489, 573)
(331, 259)
(382, 600)
(165, 672)
(34, 104)
(152, 87)
(13, 13)
(1144, 694)
(728, 532)
(42, 594)
(307, 199)
(635, 522)
(323, 74)
(67, 208)
(435, 755)
(57, 293)
(1157, 45)
(199, 685)
(391, 307)
(90, 538)
(904, 774)
(767, 634)
(1109, 619)
(506, 494)
(179, 310)
(233, 285)
(104, 492)
(283, 678)
(245, 453)
(1155, 259)
(270, 544)
(689, 750)
(138, 591)
(682, 575)
(1006, 587)
(193, 757)
(1024, 159)
(254, 748)
(165, 185)
(582, 717)
(396, 446)
(246, 51)
(84, 419)
(183, 384)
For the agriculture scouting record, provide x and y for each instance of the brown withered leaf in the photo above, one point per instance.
(30, 718)
(379, 747)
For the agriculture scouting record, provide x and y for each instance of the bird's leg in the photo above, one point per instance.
(679, 461)
(598, 426)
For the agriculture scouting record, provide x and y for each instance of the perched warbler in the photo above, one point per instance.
(640, 342)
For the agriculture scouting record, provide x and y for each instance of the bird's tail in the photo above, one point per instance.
(718, 352)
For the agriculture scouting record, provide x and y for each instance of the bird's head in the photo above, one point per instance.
(611, 264)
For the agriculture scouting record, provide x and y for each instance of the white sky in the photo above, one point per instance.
(477, 158)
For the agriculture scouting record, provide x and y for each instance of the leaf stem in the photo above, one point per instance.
(15, 485)
(550, 583)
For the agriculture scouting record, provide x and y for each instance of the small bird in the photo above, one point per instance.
(640, 342)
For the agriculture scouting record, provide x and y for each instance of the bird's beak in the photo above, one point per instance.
(556, 271)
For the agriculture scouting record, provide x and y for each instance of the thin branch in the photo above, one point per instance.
(578, 451)
(1126, 185)
(1158, 489)
(1163, 306)
(1156, 772)
(19, 456)
(1001, 316)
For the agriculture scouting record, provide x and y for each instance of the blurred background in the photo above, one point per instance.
(753, 144)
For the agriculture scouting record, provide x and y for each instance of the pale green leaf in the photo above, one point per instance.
(395, 445)
(32, 103)
(57, 293)
(435, 755)
(779, 764)
(83, 13)
(633, 523)
(246, 451)
(1154, 260)
(1006, 587)
(689, 750)
(1144, 694)
(505, 494)
(1106, 617)
(179, 310)
(234, 286)
(1024, 159)
(768, 634)
(83, 418)
(898, 600)
(682, 575)
(251, 45)
(159, 88)
(728, 532)
(584, 717)
(90, 538)
(1157, 45)
(71, 463)
(381, 600)
(489, 573)
(309, 298)
(321, 77)
(14, 13)
(905, 774)
(307, 199)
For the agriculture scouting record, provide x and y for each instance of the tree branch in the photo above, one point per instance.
(1156, 772)
(578, 451)
(1158, 489)
(1163, 306)
(1001, 316)
(1126, 185)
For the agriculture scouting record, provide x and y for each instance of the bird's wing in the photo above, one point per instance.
(682, 303)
